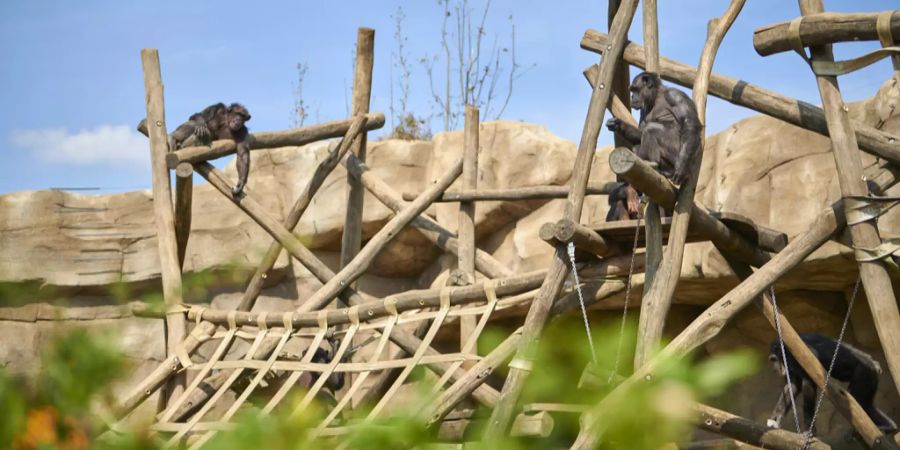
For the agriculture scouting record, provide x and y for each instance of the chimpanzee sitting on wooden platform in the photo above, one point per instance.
(853, 366)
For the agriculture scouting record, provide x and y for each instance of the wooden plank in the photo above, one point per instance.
(184, 189)
(651, 183)
(170, 269)
(820, 29)
(659, 297)
(540, 307)
(874, 274)
(538, 425)
(272, 139)
(433, 231)
(351, 239)
(516, 194)
(466, 230)
(741, 93)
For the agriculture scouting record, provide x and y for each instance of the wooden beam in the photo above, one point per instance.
(516, 194)
(272, 139)
(540, 307)
(659, 297)
(358, 265)
(741, 93)
(650, 182)
(538, 425)
(351, 239)
(170, 269)
(184, 189)
(466, 228)
(821, 29)
(874, 274)
(433, 231)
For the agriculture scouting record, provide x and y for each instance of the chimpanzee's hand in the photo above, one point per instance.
(614, 124)
(201, 131)
(681, 176)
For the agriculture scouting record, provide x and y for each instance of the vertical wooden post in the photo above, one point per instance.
(659, 297)
(652, 219)
(540, 307)
(621, 77)
(362, 93)
(874, 275)
(162, 209)
(466, 232)
(184, 189)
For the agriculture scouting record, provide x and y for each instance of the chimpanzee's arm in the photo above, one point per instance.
(630, 132)
(686, 113)
(781, 406)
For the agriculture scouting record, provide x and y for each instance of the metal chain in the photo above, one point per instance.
(637, 229)
(784, 361)
(587, 325)
(808, 434)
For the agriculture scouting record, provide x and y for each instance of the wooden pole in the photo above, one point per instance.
(433, 231)
(516, 194)
(540, 308)
(741, 93)
(367, 255)
(272, 139)
(652, 218)
(658, 298)
(874, 274)
(657, 187)
(351, 240)
(821, 29)
(162, 210)
(466, 231)
(184, 188)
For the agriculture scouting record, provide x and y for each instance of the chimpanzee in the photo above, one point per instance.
(622, 201)
(218, 122)
(335, 381)
(851, 365)
(668, 133)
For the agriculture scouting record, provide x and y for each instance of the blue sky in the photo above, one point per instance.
(72, 84)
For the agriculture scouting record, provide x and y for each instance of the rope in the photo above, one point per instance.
(784, 361)
(812, 423)
(637, 229)
(584, 314)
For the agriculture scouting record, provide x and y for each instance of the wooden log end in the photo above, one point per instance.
(533, 425)
(459, 277)
(547, 233)
(172, 161)
(183, 170)
(565, 230)
(621, 160)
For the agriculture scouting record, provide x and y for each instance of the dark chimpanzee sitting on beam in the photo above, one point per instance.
(668, 135)
(851, 365)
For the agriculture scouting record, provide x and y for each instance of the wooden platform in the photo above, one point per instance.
(622, 232)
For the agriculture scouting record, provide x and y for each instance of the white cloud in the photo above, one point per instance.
(106, 144)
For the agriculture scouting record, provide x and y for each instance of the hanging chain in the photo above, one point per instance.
(808, 434)
(784, 361)
(637, 229)
(587, 325)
